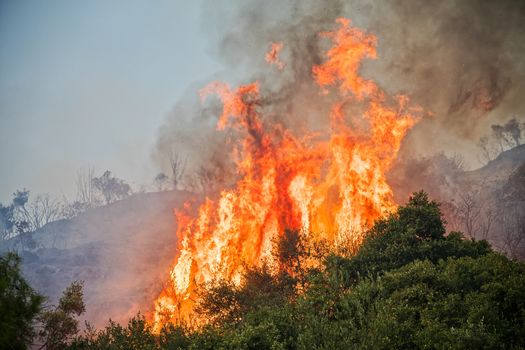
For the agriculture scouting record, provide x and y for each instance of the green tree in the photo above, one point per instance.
(19, 305)
(409, 286)
(59, 324)
(137, 335)
(455, 304)
(415, 232)
(224, 303)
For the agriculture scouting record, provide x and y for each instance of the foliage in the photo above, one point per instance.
(409, 286)
(415, 232)
(59, 324)
(22, 311)
(503, 137)
(457, 303)
(110, 187)
(19, 305)
(26, 214)
(161, 181)
(137, 335)
(514, 189)
(226, 303)
(14, 216)
(7, 220)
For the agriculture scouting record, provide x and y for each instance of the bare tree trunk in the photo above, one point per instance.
(178, 167)
(85, 188)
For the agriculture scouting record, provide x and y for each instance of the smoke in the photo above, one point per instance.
(121, 251)
(462, 61)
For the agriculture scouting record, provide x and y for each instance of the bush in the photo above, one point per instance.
(409, 286)
(19, 305)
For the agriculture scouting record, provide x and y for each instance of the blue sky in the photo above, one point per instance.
(89, 83)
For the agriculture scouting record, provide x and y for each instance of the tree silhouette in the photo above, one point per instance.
(110, 187)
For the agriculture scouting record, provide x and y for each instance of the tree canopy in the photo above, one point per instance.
(410, 285)
(26, 320)
(19, 305)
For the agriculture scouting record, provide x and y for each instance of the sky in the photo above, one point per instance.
(89, 83)
(99, 83)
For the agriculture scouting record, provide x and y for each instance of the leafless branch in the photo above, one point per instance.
(85, 189)
(178, 167)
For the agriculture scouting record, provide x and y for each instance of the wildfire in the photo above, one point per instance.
(328, 187)
(272, 56)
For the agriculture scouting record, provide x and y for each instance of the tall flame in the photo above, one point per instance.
(329, 187)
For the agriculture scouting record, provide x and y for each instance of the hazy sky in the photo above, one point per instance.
(89, 83)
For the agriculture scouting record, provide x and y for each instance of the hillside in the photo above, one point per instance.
(410, 286)
(474, 202)
(499, 169)
(121, 251)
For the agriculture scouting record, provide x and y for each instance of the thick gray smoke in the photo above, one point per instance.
(462, 61)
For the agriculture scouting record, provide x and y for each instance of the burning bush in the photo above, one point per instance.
(409, 286)
(330, 182)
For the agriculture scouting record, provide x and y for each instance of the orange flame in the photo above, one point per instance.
(272, 56)
(330, 187)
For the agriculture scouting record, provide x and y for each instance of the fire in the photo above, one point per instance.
(272, 56)
(328, 187)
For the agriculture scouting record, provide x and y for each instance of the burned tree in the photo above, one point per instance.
(161, 181)
(505, 136)
(110, 187)
(178, 167)
(512, 231)
(512, 219)
(513, 131)
(488, 153)
(474, 215)
(42, 210)
(86, 196)
(7, 221)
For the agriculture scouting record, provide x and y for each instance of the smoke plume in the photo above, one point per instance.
(461, 61)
